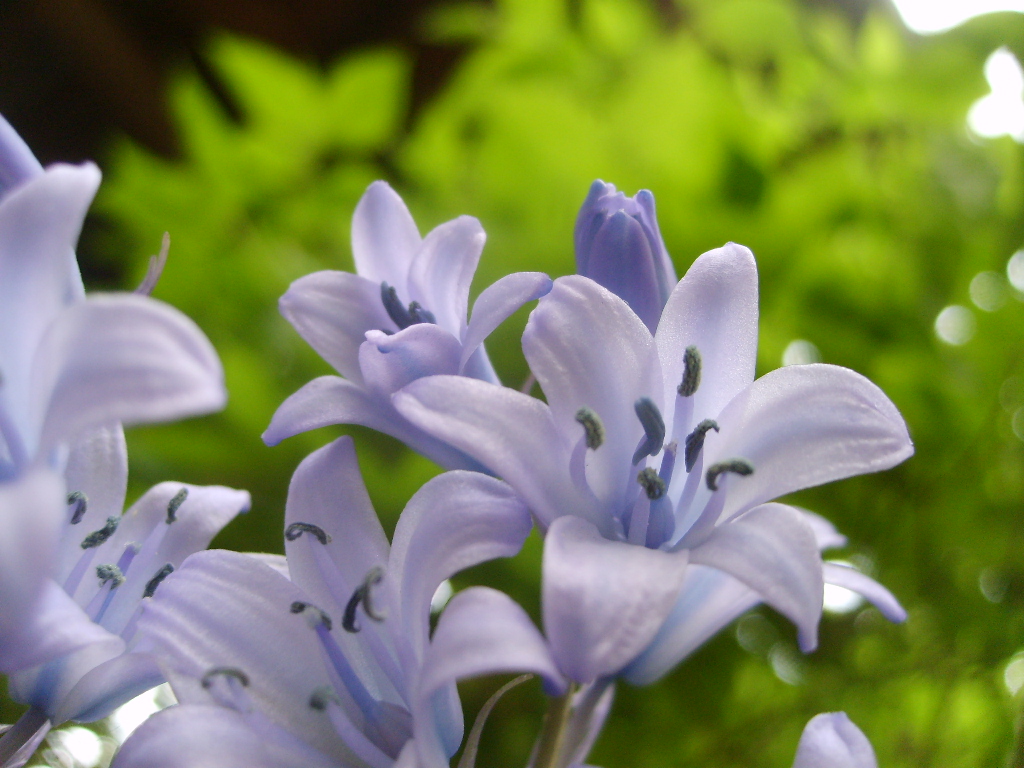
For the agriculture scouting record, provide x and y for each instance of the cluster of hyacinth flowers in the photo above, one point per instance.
(649, 467)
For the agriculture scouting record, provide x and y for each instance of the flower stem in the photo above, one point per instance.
(19, 742)
(552, 735)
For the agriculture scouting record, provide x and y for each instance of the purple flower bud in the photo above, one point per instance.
(618, 245)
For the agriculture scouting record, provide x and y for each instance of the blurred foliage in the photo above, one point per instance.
(839, 154)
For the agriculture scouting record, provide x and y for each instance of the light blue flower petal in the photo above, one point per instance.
(588, 350)
(39, 224)
(603, 601)
(390, 362)
(455, 521)
(443, 268)
(333, 311)
(855, 581)
(801, 426)
(713, 308)
(17, 163)
(494, 305)
(510, 433)
(123, 358)
(203, 736)
(105, 687)
(481, 632)
(772, 550)
(384, 238)
(710, 599)
(831, 740)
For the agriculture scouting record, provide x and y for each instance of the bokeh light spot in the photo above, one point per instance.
(988, 291)
(955, 325)
(800, 352)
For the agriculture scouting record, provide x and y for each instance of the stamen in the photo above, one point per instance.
(96, 538)
(293, 531)
(153, 583)
(695, 441)
(156, 267)
(652, 484)
(81, 505)
(109, 572)
(654, 429)
(691, 372)
(394, 307)
(175, 504)
(419, 314)
(364, 595)
(298, 607)
(234, 672)
(323, 696)
(736, 466)
(592, 426)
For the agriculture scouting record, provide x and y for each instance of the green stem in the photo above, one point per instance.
(552, 735)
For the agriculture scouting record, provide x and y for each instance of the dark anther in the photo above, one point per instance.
(695, 441)
(96, 538)
(364, 595)
(403, 316)
(112, 573)
(175, 504)
(293, 531)
(298, 607)
(321, 697)
(153, 583)
(736, 466)
(234, 672)
(654, 429)
(652, 484)
(592, 426)
(691, 372)
(81, 504)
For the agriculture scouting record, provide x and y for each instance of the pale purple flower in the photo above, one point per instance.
(618, 245)
(403, 315)
(325, 660)
(72, 369)
(831, 740)
(665, 448)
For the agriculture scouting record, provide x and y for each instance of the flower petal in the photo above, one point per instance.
(39, 225)
(772, 550)
(443, 268)
(710, 599)
(455, 521)
(123, 358)
(510, 433)
(713, 308)
(107, 686)
(804, 425)
(332, 400)
(17, 163)
(333, 311)
(481, 632)
(855, 581)
(327, 491)
(588, 349)
(224, 609)
(384, 237)
(97, 468)
(390, 362)
(496, 302)
(831, 740)
(603, 601)
(205, 736)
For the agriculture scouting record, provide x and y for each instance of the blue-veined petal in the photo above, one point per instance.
(713, 308)
(831, 740)
(384, 237)
(772, 550)
(804, 425)
(603, 601)
(333, 311)
(443, 268)
(122, 358)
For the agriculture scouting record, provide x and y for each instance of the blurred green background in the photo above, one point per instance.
(834, 145)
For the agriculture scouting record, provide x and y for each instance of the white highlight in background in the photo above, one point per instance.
(800, 352)
(955, 325)
(931, 16)
(130, 716)
(1000, 113)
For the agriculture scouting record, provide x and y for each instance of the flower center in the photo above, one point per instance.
(403, 316)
